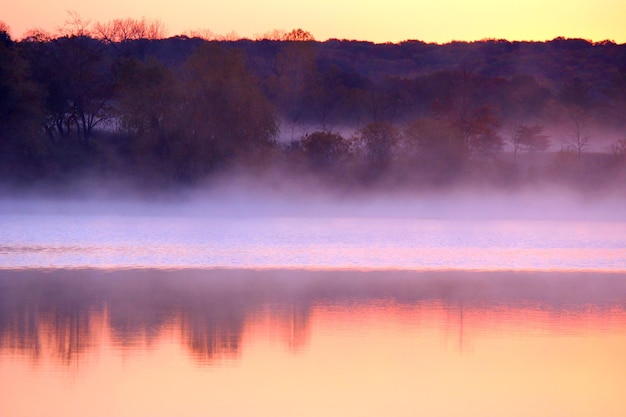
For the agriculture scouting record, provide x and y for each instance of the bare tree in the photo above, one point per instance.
(75, 25)
(300, 35)
(618, 151)
(379, 141)
(578, 102)
(79, 78)
(4, 28)
(579, 136)
(273, 35)
(37, 35)
(529, 138)
(120, 30)
(206, 34)
(230, 36)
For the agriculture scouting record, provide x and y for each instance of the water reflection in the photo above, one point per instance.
(281, 343)
(66, 311)
(63, 311)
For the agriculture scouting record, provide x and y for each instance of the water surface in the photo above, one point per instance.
(309, 343)
(64, 241)
(166, 314)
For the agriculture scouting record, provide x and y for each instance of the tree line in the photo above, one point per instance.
(119, 100)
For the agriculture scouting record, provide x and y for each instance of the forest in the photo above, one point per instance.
(118, 102)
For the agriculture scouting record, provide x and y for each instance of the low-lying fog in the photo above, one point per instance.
(245, 225)
(245, 198)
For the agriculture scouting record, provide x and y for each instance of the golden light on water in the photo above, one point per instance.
(322, 355)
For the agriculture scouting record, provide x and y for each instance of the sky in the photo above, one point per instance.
(379, 21)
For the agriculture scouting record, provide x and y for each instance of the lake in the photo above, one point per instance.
(157, 315)
(172, 241)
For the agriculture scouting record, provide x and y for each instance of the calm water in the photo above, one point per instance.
(307, 343)
(58, 241)
(225, 316)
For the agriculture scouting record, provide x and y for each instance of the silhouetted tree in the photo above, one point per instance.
(526, 98)
(5, 32)
(480, 132)
(298, 35)
(618, 161)
(147, 99)
(578, 137)
(21, 111)
(145, 96)
(37, 35)
(575, 93)
(182, 118)
(222, 114)
(378, 140)
(617, 96)
(434, 148)
(529, 138)
(576, 103)
(77, 73)
(332, 95)
(293, 80)
(618, 152)
(324, 149)
(385, 100)
(75, 26)
(121, 30)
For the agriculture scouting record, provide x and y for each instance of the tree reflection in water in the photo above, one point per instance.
(63, 313)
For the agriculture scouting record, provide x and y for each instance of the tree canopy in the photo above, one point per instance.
(118, 97)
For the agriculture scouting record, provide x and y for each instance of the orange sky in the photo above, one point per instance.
(379, 21)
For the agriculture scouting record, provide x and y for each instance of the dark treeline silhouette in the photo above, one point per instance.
(64, 310)
(121, 103)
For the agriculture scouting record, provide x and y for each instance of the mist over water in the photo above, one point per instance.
(236, 225)
(278, 195)
(249, 300)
